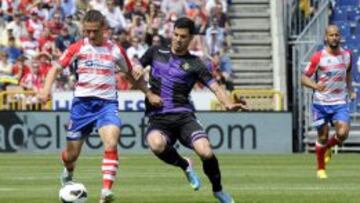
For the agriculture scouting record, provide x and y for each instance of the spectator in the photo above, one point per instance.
(306, 8)
(12, 51)
(64, 40)
(82, 5)
(34, 24)
(138, 10)
(46, 42)
(168, 27)
(32, 80)
(44, 60)
(30, 45)
(136, 50)
(73, 28)
(213, 3)
(20, 69)
(114, 16)
(17, 26)
(55, 24)
(173, 6)
(99, 5)
(121, 37)
(135, 6)
(195, 13)
(137, 27)
(68, 7)
(7, 34)
(5, 66)
(215, 37)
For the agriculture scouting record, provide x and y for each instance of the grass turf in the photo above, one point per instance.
(33, 178)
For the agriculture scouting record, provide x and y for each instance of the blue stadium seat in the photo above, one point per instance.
(347, 3)
(340, 15)
(345, 29)
(353, 14)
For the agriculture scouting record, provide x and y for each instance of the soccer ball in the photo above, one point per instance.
(73, 193)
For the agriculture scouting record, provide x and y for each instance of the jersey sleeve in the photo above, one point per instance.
(203, 73)
(313, 64)
(122, 60)
(69, 54)
(147, 58)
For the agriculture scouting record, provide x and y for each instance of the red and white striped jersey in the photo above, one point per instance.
(332, 70)
(96, 67)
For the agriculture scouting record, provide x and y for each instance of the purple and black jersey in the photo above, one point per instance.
(173, 77)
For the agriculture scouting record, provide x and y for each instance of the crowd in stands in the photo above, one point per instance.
(34, 34)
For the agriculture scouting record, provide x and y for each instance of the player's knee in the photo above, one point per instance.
(206, 154)
(156, 143)
(204, 150)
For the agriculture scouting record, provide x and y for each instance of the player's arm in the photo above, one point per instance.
(137, 82)
(309, 71)
(349, 86)
(145, 61)
(225, 99)
(66, 58)
(206, 78)
(49, 80)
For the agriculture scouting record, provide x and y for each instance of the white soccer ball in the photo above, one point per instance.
(73, 193)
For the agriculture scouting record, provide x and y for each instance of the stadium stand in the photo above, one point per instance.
(253, 66)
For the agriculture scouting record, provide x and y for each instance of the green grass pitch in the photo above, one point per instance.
(33, 178)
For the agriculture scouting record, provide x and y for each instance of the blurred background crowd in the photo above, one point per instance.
(34, 33)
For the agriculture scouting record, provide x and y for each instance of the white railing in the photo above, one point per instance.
(302, 48)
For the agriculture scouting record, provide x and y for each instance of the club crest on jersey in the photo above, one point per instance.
(185, 66)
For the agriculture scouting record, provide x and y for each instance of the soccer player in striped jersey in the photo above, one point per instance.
(95, 97)
(174, 72)
(332, 90)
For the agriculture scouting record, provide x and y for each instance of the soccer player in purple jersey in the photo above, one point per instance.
(174, 71)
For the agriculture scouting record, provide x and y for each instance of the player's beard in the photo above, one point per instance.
(334, 46)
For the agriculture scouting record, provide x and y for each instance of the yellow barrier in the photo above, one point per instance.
(256, 99)
(22, 100)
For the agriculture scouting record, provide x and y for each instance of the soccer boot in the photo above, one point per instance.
(328, 154)
(106, 196)
(65, 176)
(321, 174)
(223, 197)
(191, 176)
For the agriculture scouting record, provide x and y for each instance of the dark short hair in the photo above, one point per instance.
(185, 22)
(94, 16)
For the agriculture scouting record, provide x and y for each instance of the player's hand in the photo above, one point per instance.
(352, 95)
(239, 103)
(320, 86)
(137, 72)
(154, 99)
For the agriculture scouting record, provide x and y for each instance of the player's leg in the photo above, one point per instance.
(69, 156)
(163, 149)
(108, 123)
(341, 119)
(320, 118)
(79, 127)
(192, 135)
(320, 148)
(211, 168)
(342, 125)
(110, 136)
